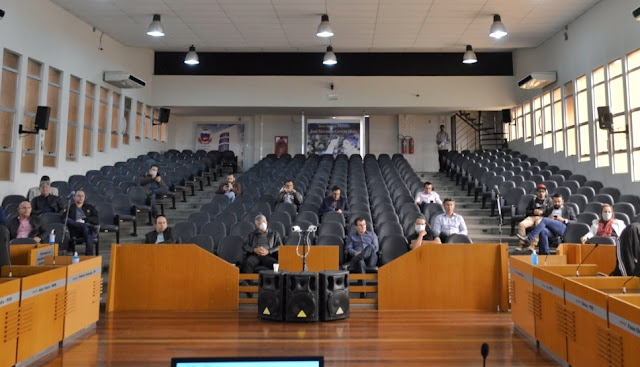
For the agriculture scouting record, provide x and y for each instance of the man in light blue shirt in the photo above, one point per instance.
(449, 223)
(362, 246)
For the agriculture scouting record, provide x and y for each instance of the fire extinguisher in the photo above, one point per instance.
(411, 144)
(404, 144)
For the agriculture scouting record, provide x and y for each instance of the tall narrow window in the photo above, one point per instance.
(633, 85)
(547, 123)
(8, 92)
(73, 121)
(618, 110)
(537, 121)
(115, 119)
(526, 111)
(599, 98)
(102, 119)
(582, 103)
(570, 119)
(519, 123)
(163, 133)
(127, 116)
(139, 121)
(147, 122)
(51, 135)
(156, 125)
(87, 131)
(558, 121)
(512, 125)
(32, 96)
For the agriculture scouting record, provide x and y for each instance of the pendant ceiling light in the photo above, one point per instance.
(155, 28)
(324, 29)
(192, 56)
(498, 29)
(469, 56)
(329, 57)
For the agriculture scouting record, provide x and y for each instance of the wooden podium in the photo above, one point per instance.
(320, 258)
(624, 327)
(31, 254)
(9, 322)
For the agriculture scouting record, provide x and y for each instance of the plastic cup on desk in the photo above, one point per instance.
(275, 267)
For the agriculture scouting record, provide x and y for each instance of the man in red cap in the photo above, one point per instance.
(534, 212)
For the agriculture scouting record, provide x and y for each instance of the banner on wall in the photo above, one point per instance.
(221, 137)
(333, 138)
(282, 145)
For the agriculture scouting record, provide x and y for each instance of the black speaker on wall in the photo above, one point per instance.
(163, 115)
(605, 118)
(42, 117)
(506, 115)
(271, 293)
(302, 297)
(334, 295)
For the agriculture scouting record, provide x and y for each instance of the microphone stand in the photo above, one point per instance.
(305, 251)
(499, 204)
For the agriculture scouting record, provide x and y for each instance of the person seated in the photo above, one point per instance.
(628, 252)
(47, 202)
(362, 247)
(4, 246)
(427, 196)
(335, 203)
(261, 247)
(534, 212)
(156, 187)
(449, 223)
(554, 223)
(423, 234)
(35, 191)
(162, 232)
(289, 195)
(230, 188)
(25, 225)
(3, 217)
(606, 226)
(82, 221)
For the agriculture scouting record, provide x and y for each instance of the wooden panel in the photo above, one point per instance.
(6, 129)
(34, 68)
(28, 162)
(460, 277)
(86, 142)
(102, 117)
(71, 142)
(320, 258)
(624, 324)
(9, 319)
(163, 132)
(33, 92)
(604, 256)
(29, 140)
(170, 277)
(5, 161)
(147, 122)
(521, 278)
(88, 111)
(10, 59)
(55, 76)
(8, 89)
(48, 161)
(20, 254)
(101, 141)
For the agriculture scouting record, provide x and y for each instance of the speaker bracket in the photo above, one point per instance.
(20, 131)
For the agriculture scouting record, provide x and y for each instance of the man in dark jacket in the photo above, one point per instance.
(553, 224)
(156, 187)
(25, 225)
(289, 195)
(46, 202)
(534, 212)
(83, 222)
(628, 252)
(335, 203)
(162, 233)
(261, 247)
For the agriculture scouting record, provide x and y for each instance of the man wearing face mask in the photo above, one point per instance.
(423, 234)
(261, 247)
(553, 223)
(156, 187)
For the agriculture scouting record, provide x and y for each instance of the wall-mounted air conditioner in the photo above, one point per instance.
(537, 80)
(122, 79)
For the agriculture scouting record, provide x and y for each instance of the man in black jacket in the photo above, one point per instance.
(25, 225)
(554, 223)
(534, 212)
(335, 202)
(289, 195)
(261, 247)
(162, 233)
(46, 202)
(83, 222)
(156, 187)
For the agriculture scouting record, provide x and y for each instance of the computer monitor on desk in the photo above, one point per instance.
(248, 362)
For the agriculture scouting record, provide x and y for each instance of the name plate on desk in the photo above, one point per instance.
(526, 277)
(549, 288)
(625, 324)
(83, 275)
(586, 305)
(9, 299)
(44, 288)
(41, 254)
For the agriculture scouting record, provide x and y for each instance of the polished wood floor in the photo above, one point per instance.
(367, 338)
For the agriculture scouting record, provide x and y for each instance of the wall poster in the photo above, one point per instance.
(221, 137)
(335, 136)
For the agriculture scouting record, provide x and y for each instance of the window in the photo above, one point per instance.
(558, 121)
(519, 123)
(155, 125)
(163, 133)
(582, 104)
(618, 109)
(32, 96)
(138, 121)
(115, 119)
(512, 126)
(51, 135)
(526, 110)
(87, 131)
(147, 122)
(633, 84)
(74, 112)
(8, 91)
(547, 123)
(570, 120)
(537, 122)
(102, 119)
(127, 116)
(599, 98)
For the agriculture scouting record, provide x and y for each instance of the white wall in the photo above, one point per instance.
(604, 33)
(42, 31)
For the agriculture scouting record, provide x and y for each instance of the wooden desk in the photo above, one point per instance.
(170, 277)
(453, 277)
(9, 309)
(31, 254)
(604, 256)
(623, 341)
(320, 258)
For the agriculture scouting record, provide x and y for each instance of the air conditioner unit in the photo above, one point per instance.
(122, 79)
(537, 80)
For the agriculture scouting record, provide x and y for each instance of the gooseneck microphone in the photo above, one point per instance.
(624, 288)
(585, 258)
(497, 190)
(484, 350)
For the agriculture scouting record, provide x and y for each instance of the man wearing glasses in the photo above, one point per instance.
(534, 212)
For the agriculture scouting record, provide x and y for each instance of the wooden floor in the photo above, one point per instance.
(367, 338)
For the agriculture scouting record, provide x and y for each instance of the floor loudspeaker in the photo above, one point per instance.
(334, 295)
(302, 297)
(271, 293)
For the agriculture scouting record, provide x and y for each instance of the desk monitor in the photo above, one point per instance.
(248, 362)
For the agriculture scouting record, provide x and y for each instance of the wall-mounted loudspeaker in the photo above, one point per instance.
(334, 295)
(605, 118)
(163, 115)
(302, 297)
(42, 118)
(506, 115)
(271, 299)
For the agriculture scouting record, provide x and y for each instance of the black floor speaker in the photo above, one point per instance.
(334, 295)
(302, 297)
(271, 293)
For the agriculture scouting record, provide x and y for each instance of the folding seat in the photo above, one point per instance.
(242, 229)
(545, 173)
(518, 211)
(230, 250)
(580, 178)
(217, 231)
(587, 218)
(564, 191)
(593, 207)
(199, 219)
(184, 230)
(631, 199)
(614, 192)
(554, 169)
(559, 179)
(550, 184)
(566, 173)
(587, 191)
(458, 238)
(392, 247)
(573, 206)
(604, 198)
(580, 200)
(596, 185)
(574, 232)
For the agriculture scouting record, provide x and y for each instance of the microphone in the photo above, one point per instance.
(545, 259)
(484, 350)
(585, 258)
(497, 190)
(624, 288)
(312, 228)
(296, 229)
(71, 195)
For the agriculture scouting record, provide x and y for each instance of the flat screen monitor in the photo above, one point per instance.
(248, 362)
